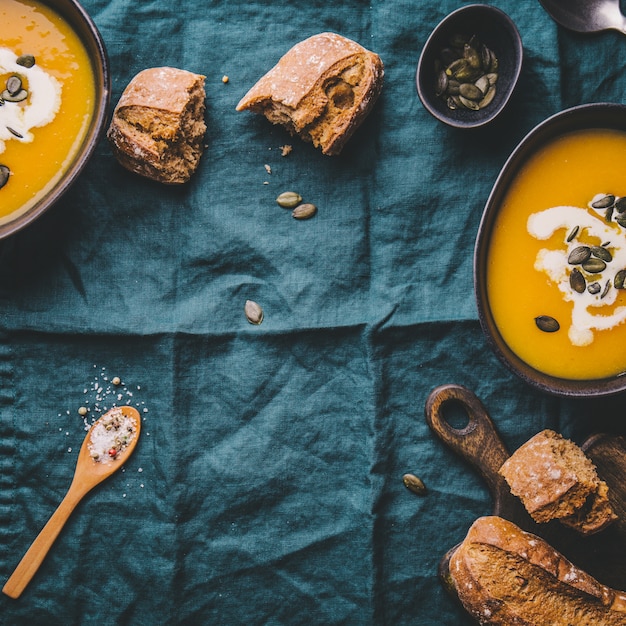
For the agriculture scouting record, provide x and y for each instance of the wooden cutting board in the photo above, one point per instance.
(602, 555)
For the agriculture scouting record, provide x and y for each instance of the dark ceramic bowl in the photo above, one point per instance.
(496, 31)
(83, 25)
(590, 116)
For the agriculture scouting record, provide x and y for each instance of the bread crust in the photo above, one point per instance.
(157, 128)
(505, 576)
(320, 90)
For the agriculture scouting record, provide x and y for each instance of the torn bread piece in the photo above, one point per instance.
(158, 127)
(505, 576)
(554, 479)
(320, 90)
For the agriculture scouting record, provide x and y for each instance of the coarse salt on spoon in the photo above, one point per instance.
(103, 452)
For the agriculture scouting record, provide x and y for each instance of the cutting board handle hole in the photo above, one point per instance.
(455, 414)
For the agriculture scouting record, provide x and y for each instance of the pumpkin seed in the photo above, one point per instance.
(470, 91)
(22, 94)
(488, 99)
(25, 60)
(469, 104)
(492, 77)
(577, 281)
(620, 205)
(471, 54)
(442, 83)
(573, 233)
(304, 211)
(253, 312)
(579, 255)
(601, 253)
(15, 133)
(289, 199)
(13, 84)
(594, 265)
(608, 214)
(594, 288)
(621, 220)
(620, 278)
(607, 286)
(547, 324)
(453, 87)
(604, 202)
(414, 483)
(483, 84)
(5, 172)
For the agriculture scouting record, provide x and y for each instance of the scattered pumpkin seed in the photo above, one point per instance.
(253, 312)
(304, 211)
(14, 84)
(573, 233)
(547, 324)
(594, 265)
(604, 202)
(621, 220)
(15, 133)
(414, 483)
(5, 172)
(577, 281)
(620, 279)
(601, 253)
(607, 286)
(25, 60)
(620, 204)
(579, 255)
(594, 288)
(21, 95)
(289, 199)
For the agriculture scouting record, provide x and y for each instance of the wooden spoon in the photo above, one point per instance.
(87, 475)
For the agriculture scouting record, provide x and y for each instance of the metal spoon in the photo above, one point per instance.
(586, 16)
(87, 475)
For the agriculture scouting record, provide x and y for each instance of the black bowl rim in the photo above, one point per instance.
(84, 26)
(593, 115)
(488, 115)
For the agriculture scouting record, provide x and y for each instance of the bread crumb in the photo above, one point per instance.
(285, 150)
(225, 79)
(268, 169)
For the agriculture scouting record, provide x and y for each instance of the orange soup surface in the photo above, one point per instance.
(48, 98)
(557, 257)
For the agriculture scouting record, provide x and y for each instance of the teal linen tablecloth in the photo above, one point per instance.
(267, 484)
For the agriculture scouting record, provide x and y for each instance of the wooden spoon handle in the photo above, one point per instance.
(478, 442)
(35, 555)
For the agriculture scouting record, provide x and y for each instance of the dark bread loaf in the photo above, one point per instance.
(556, 480)
(320, 90)
(505, 576)
(158, 127)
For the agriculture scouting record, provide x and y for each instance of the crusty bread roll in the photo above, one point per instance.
(158, 127)
(505, 576)
(320, 90)
(556, 480)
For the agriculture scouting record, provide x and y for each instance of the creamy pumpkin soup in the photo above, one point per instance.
(47, 99)
(556, 271)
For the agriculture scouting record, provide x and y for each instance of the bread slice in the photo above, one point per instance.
(320, 90)
(158, 127)
(556, 480)
(505, 576)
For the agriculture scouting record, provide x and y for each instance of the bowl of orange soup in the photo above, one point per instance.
(550, 256)
(54, 96)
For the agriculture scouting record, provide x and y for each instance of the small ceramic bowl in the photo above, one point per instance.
(559, 127)
(73, 14)
(496, 31)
